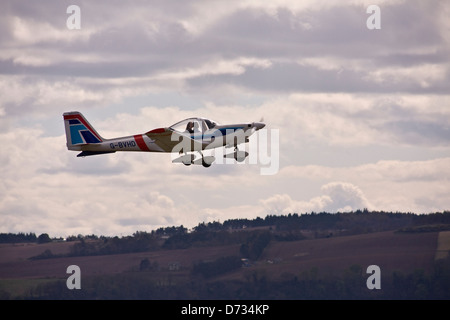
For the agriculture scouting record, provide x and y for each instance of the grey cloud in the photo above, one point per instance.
(419, 132)
(293, 77)
(103, 69)
(130, 48)
(440, 56)
(332, 33)
(335, 31)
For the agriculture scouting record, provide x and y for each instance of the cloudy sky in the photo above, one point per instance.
(356, 118)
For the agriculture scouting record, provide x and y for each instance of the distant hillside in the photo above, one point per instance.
(324, 268)
(312, 256)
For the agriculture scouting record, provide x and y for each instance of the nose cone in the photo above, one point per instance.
(259, 125)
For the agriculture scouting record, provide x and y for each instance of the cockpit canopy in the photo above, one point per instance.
(193, 125)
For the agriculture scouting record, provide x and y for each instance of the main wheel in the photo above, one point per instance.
(240, 156)
(205, 164)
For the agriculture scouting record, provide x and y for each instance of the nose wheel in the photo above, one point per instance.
(205, 164)
(207, 161)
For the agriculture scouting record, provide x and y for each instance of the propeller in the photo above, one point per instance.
(259, 125)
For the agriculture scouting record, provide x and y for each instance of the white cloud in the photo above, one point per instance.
(345, 197)
(336, 197)
(346, 120)
(217, 67)
(29, 32)
(424, 75)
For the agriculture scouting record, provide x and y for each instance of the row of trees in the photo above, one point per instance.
(360, 221)
(24, 238)
(357, 221)
(138, 242)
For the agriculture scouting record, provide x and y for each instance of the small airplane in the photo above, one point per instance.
(185, 137)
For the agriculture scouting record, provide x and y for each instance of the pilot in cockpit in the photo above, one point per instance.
(190, 127)
(196, 127)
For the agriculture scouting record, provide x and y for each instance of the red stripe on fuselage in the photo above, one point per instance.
(140, 142)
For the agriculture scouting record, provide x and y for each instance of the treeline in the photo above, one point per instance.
(17, 238)
(138, 242)
(359, 221)
(350, 284)
(24, 238)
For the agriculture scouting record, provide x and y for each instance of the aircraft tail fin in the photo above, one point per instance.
(79, 131)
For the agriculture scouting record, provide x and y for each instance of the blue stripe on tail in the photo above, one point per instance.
(80, 134)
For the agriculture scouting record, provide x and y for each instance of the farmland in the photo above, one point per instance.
(293, 265)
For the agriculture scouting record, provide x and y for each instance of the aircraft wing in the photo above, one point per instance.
(169, 140)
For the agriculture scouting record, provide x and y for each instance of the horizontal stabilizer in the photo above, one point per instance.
(92, 153)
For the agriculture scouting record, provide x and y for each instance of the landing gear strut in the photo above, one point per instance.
(206, 162)
(237, 155)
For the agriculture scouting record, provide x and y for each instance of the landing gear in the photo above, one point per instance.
(206, 161)
(237, 155)
(205, 164)
(188, 159)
